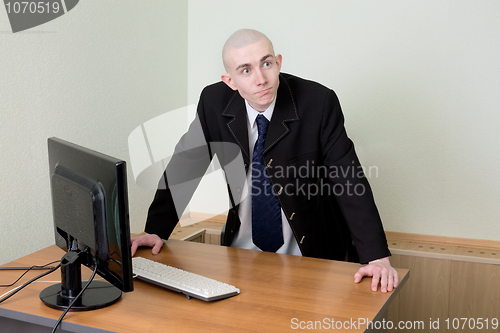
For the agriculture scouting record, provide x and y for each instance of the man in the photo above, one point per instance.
(291, 136)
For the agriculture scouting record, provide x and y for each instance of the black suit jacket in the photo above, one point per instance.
(311, 163)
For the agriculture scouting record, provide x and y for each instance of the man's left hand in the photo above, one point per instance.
(381, 271)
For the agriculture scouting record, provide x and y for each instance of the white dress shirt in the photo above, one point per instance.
(243, 238)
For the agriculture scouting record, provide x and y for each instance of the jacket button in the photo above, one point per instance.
(280, 190)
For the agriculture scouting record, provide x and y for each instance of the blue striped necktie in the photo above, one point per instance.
(267, 231)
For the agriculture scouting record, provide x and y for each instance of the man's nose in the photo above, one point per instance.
(260, 77)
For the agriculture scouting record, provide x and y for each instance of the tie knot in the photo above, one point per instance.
(262, 124)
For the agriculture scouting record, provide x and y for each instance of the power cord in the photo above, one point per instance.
(13, 292)
(27, 270)
(77, 297)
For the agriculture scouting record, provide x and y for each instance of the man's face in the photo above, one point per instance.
(254, 70)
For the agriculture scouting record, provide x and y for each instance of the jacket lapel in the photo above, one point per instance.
(237, 123)
(284, 112)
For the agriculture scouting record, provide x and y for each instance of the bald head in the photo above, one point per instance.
(252, 67)
(242, 38)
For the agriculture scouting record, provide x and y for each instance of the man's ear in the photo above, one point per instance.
(226, 78)
(279, 61)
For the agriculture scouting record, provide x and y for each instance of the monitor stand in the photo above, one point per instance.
(98, 294)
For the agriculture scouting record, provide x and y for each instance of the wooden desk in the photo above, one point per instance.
(275, 289)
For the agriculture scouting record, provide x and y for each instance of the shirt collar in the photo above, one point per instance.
(252, 113)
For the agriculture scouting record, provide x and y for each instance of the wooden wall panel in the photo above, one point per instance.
(475, 294)
(426, 294)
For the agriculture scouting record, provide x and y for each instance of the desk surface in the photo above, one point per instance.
(278, 293)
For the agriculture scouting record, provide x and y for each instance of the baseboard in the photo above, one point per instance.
(454, 241)
(206, 217)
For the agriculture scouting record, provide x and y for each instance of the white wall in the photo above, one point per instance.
(89, 77)
(419, 83)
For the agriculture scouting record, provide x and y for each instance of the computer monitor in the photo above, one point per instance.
(91, 223)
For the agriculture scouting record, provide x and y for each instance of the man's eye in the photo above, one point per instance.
(245, 71)
(267, 64)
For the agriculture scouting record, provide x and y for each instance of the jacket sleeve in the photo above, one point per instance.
(182, 176)
(349, 185)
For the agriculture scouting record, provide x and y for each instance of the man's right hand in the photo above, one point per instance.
(153, 241)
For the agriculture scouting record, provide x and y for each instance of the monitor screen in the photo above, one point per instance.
(91, 222)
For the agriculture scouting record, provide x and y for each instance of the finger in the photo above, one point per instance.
(157, 247)
(358, 276)
(136, 242)
(384, 277)
(375, 280)
(396, 279)
(390, 281)
(133, 248)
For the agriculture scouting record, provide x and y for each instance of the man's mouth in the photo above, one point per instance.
(264, 91)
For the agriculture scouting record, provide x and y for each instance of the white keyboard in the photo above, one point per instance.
(190, 284)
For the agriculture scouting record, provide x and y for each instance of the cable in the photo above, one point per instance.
(11, 291)
(14, 291)
(29, 269)
(24, 268)
(98, 279)
(76, 298)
